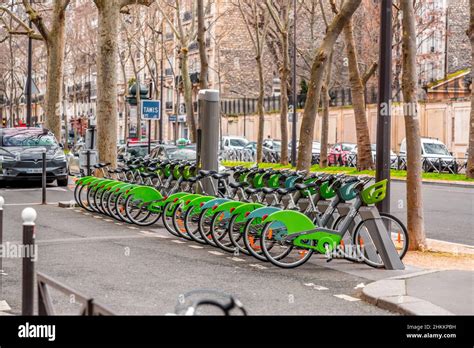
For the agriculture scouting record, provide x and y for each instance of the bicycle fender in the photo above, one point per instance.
(196, 202)
(260, 212)
(294, 221)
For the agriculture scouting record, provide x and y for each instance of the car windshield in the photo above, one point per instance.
(238, 142)
(138, 151)
(347, 147)
(186, 154)
(276, 146)
(28, 139)
(436, 149)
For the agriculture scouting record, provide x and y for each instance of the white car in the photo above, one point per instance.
(373, 149)
(434, 153)
(233, 143)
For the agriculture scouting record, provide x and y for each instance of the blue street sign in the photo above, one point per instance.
(150, 109)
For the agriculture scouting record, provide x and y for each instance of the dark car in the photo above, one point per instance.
(21, 155)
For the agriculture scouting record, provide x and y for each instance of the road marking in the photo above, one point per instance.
(161, 236)
(196, 247)
(77, 210)
(215, 253)
(108, 220)
(4, 306)
(97, 217)
(256, 265)
(35, 189)
(359, 286)
(132, 228)
(236, 259)
(178, 241)
(347, 298)
(146, 232)
(316, 287)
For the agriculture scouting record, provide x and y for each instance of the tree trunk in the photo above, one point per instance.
(315, 84)
(284, 73)
(125, 92)
(55, 44)
(260, 109)
(109, 14)
(323, 157)
(188, 95)
(201, 39)
(364, 151)
(470, 160)
(412, 128)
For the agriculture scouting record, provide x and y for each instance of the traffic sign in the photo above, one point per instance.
(150, 109)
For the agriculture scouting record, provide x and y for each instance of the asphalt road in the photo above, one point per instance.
(136, 271)
(449, 211)
(144, 271)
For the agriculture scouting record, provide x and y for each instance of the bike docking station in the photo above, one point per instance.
(380, 236)
(208, 142)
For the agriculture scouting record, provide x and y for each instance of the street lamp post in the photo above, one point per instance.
(294, 121)
(385, 95)
(162, 82)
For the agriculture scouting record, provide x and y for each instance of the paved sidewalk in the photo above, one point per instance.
(425, 293)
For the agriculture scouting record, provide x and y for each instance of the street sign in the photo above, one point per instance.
(150, 109)
(181, 118)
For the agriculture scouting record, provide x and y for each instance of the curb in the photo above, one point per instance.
(457, 249)
(390, 294)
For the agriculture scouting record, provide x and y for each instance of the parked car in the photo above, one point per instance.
(21, 155)
(338, 153)
(315, 150)
(434, 153)
(352, 158)
(233, 143)
(134, 150)
(271, 144)
(173, 152)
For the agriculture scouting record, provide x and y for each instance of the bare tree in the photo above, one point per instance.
(201, 39)
(318, 71)
(364, 151)
(256, 22)
(470, 161)
(412, 129)
(54, 38)
(109, 15)
(185, 35)
(280, 13)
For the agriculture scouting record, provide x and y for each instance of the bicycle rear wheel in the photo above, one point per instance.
(280, 252)
(191, 224)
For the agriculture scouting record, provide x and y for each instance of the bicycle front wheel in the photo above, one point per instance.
(363, 241)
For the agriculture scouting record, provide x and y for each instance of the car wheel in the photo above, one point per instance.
(63, 182)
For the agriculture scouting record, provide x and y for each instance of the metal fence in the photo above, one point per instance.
(45, 304)
(429, 165)
(245, 155)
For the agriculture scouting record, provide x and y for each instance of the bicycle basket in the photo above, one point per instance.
(326, 191)
(347, 192)
(375, 193)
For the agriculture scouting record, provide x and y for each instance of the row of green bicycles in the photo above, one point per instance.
(277, 216)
